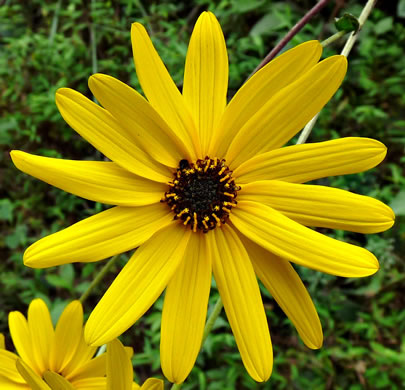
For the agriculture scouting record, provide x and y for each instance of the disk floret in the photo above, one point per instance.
(202, 194)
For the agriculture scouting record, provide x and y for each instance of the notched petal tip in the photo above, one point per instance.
(96, 77)
(17, 156)
(137, 28)
(63, 91)
(313, 45)
(316, 341)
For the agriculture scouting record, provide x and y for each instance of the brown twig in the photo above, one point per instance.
(307, 17)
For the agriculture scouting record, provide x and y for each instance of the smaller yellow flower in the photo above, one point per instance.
(119, 374)
(45, 350)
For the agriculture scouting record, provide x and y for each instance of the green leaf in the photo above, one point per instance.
(242, 6)
(347, 22)
(401, 9)
(6, 210)
(19, 236)
(57, 281)
(383, 26)
(267, 25)
(67, 272)
(398, 203)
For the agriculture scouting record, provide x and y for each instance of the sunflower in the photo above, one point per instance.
(203, 187)
(43, 350)
(119, 375)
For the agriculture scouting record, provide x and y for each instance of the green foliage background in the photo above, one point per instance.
(45, 45)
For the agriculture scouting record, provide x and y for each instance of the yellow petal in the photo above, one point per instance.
(41, 332)
(20, 334)
(261, 87)
(104, 182)
(2, 341)
(105, 234)
(103, 131)
(185, 310)
(96, 367)
(237, 285)
(281, 117)
(153, 384)
(119, 367)
(67, 336)
(286, 287)
(306, 162)
(140, 119)
(91, 384)
(8, 369)
(206, 77)
(33, 379)
(138, 285)
(159, 88)
(299, 244)
(320, 206)
(57, 382)
(83, 354)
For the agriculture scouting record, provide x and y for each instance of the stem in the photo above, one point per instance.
(212, 318)
(333, 38)
(98, 278)
(101, 350)
(345, 52)
(307, 17)
(176, 386)
(55, 21)
(362, 19)
(307, 130)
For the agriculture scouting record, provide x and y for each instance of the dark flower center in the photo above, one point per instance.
(202, 194)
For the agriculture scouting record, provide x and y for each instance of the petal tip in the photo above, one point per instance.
(16, 156)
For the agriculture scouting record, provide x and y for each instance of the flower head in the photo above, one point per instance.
(42, 349)
(202, 187)
(119, 374)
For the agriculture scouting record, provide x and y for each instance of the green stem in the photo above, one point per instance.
(362, 19)
(211, 319)
(98, 278)
(55, 20)
(287, 38)
(333, 38)
(345, 52)
(176, 386)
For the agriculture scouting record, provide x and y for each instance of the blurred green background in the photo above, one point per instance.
(45, 45)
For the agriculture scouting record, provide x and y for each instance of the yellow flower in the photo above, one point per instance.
(43, 349)
(204, 187)
(119, 375)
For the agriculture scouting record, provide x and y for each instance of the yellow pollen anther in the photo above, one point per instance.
(195, 222)
(186, 221)
(207, 166)
(224, 178)
(216, 219)
(227, 210)
(221, 171)
(171, 195)
(205, 224)
(228, 194)
(184, 211)
(170, 184)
